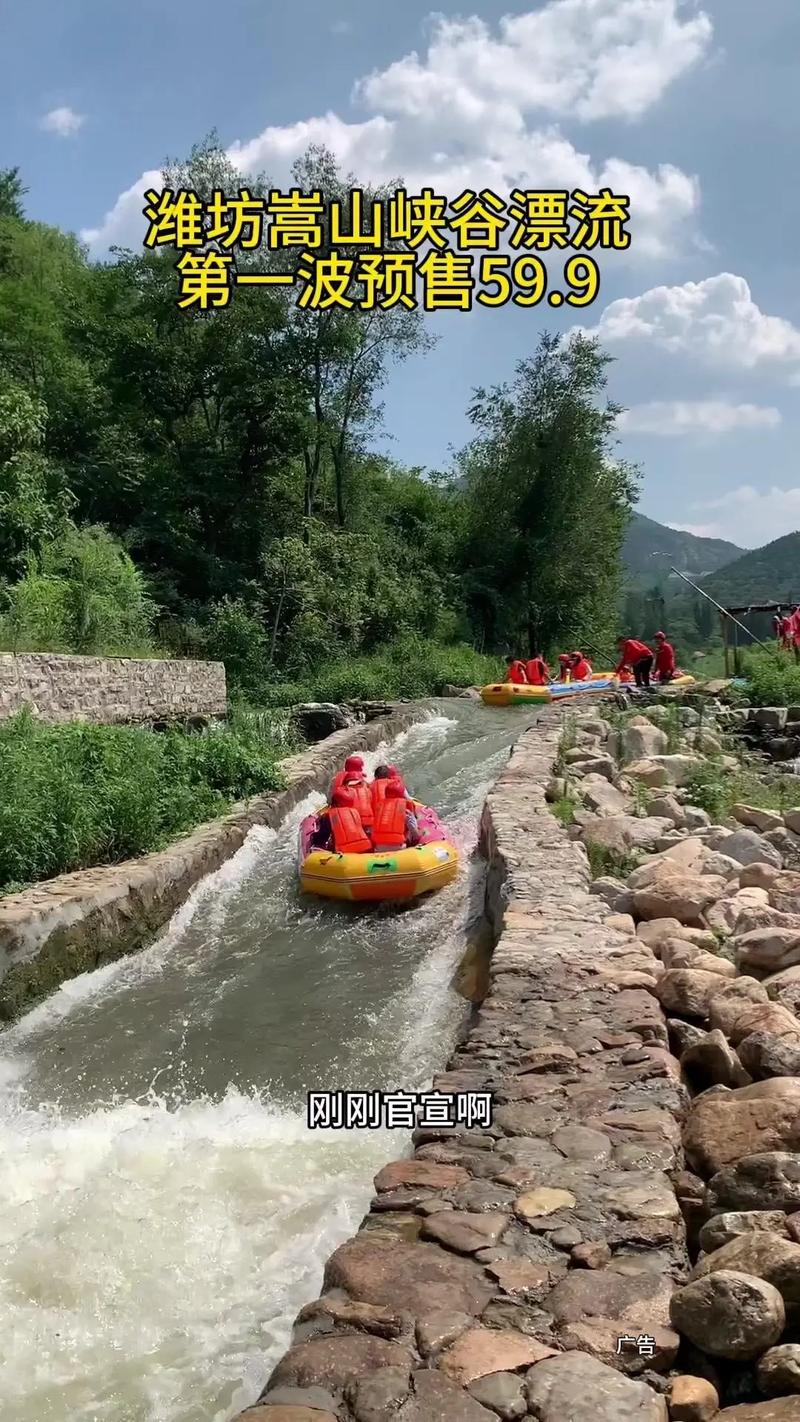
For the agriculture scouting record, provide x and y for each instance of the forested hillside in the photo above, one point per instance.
(768, 574)
(651, 548)
(208, 483)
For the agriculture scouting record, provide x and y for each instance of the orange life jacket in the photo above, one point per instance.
(337, 783)
(582, 670)
(348, 832)
(536, 670)
(363, 795)
(389, 830)
(516, 674)
(377, 792)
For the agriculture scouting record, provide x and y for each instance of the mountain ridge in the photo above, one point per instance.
(651, 548)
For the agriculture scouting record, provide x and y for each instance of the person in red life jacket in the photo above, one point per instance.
(340, 828)
(537, 671)
(395, 826)
(796, 633)
(777, 622)
(516, 673)
(638, 657)
(565, 667)
(665, 658)
(580, 667)
(383, 774)
(353, 770)
(786, 632)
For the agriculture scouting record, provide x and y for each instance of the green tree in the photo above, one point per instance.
(12, 192)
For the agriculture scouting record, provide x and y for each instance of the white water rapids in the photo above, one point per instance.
(164, 1211)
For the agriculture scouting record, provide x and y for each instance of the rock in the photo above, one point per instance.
(683, 896)
(376, 1396)
(658, 930)
(763, 1017)
(419, 1172)
(556, 789)
(317, 1398)
(791, 819)
(592, 1254)
(519, 1276)
(640, 739)
(581, 1144)
(466, 1233)
(683, 1035)
(784, 987)
(729, 1314)
(666, 807)
(713, 1062)
(751, 848)
(724, 1126)
(677, 953)
(585, 1294)
(622, 833)
(315, 720)
(757, 818)
(649, 772)
(715, 862)
(769, 718)
(696, 819)
(764, 1254)
(727, 915)
(267, 1411)
(721, 1229)
(502, 1392)
(602, 797)
(769, 1181)
(768, 950)
(784, 892)
(435, 1330)
(622, 923)
(437, 1398)
(589, 763)
(779, 1370)
(414, 1278)
(787, 845)
(490, 1350)
(544, 1201)
(687, 991)
(612, 891)
(333, 1361)
(782, 1409)
(692, 1400)
(574, 1387)
(726, 1006)
(764, 1055)
(758, 876)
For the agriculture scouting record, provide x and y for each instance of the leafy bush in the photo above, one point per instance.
(82, 594)
(409, 667)
(603, 860)
(773, 678)
(77, 795)
(715, 790)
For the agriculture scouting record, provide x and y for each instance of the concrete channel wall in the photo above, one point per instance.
(77, 922)
(110, 690)
(497, 1269)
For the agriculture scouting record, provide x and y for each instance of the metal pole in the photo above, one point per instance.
(717, 605)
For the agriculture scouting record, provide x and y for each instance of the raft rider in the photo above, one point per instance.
(395, 826)
(340, 828)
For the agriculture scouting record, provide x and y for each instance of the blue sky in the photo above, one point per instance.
(693, 109)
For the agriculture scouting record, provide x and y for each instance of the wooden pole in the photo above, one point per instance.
(724, 621)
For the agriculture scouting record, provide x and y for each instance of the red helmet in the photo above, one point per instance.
(354, 762)
(662, 636)
(343, 799)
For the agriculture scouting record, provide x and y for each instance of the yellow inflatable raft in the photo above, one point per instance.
(370, 878)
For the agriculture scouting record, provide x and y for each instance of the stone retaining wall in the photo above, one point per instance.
(110, 690)
(78, 922)
(497, 1269)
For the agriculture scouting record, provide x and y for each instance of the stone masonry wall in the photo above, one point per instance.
(110, 690)
(78, 922)
(497, 1269)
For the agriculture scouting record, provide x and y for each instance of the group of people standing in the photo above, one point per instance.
(367, 817)
(637, 663)
(786, 627)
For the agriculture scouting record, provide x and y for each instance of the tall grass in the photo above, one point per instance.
(410, 667)
(76, 795)
(773, 677)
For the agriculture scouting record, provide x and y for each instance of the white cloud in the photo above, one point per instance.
(675, 418)
(588, 59)
(63, 121)
(747, 516)
(458, 117)
(716, 321)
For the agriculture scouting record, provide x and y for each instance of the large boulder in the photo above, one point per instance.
(684, 896)
(574, 1387)
(315, 720)
(622, 833)
(763, 1055)
(726, 1006)
(769, 1181)
(667, 807)
(640, 739)
(726, 915)
(725, 1126)
(779, 1371)
(678, 953)
(599, 795)
(768, 950)
(748, 847)
(729, 1314)
(414, 1278)
(763, 1017)
(687, 991)
(765, 1254)
(721, 1229)
(713, 1062)
(784, 987)
(756, 818)
(784, 892)
(692, 1399)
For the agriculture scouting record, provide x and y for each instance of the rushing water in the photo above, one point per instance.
(164, 1211)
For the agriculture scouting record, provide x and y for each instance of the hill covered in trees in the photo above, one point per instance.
(650, 548)
(768, 574)
(209, 483)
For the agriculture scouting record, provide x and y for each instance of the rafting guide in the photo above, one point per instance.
(408, 250)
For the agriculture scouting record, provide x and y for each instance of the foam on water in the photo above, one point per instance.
(155, 1246)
